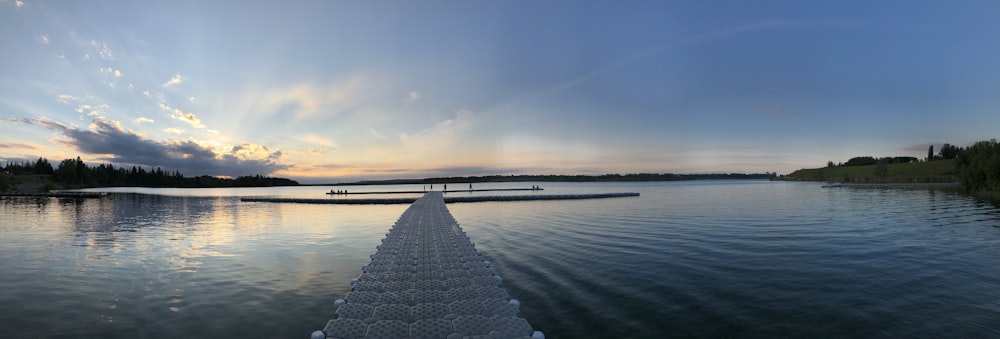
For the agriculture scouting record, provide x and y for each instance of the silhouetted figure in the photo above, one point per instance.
(470, 187)
(445, 188)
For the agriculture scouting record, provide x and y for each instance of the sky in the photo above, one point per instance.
(335, 91)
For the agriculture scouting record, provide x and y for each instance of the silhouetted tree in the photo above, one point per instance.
(949, 151)
(860, 161)
(42, 166)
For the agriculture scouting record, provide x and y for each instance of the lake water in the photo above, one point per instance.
(685, 259)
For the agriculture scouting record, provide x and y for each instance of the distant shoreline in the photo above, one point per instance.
(642, 177)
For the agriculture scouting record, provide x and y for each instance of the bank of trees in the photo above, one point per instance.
(75, 173)
(978, 166)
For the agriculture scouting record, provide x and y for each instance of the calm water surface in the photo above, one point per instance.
(686, 259)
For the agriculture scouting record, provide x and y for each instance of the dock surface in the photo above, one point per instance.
(427, 280)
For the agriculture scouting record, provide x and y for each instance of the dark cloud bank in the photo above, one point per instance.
(128, 148)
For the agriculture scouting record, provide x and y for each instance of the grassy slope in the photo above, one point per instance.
(932, 171)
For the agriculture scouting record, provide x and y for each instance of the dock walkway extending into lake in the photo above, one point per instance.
(427, 280)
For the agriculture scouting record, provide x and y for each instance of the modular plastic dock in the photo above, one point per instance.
(427, 280)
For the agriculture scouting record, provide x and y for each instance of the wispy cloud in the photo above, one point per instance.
(18, 4)
(317, 140)
(695, 39)
(18, 146)
(304, 101)
(439, 135)
(43, 39)
(172, 130)
(413, 96)
(376, 134)
(176, 79)
(67, 99)
(140, 120)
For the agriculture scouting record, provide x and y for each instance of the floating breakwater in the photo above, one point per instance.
(389, 201)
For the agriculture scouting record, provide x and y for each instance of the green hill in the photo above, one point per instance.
(915, 172)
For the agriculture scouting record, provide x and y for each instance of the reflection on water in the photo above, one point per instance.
(159, 266)
(715, 259)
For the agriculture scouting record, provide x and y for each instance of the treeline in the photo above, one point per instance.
(867, 161)
(978, 166)
(568, 178)
(75, 173)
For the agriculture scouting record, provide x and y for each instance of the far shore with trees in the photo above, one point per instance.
(41, 176)
(975, 167)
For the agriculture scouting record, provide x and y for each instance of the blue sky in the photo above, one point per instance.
(326, 91)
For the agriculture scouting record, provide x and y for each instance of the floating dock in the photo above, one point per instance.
(427, 280)
(57, 194)
(448, 191)
(389, 201)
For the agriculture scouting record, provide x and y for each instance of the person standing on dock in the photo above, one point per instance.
(470, 187)
(445, 188)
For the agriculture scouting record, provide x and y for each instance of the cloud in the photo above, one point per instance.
(102, 49)
(176, 79)
(18, 146)
(118, 74)
(177, 114)
(317, 140)
(67, 99)
(117, 145)
(439, 135)
(189, 118)
(376, 134)
(140, 120)
(172, 130)
(43, 39)
(305, 101)
(146, 93)
(413, 96)
(18, 4)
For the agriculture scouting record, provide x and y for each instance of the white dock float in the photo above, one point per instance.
(427, 280)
